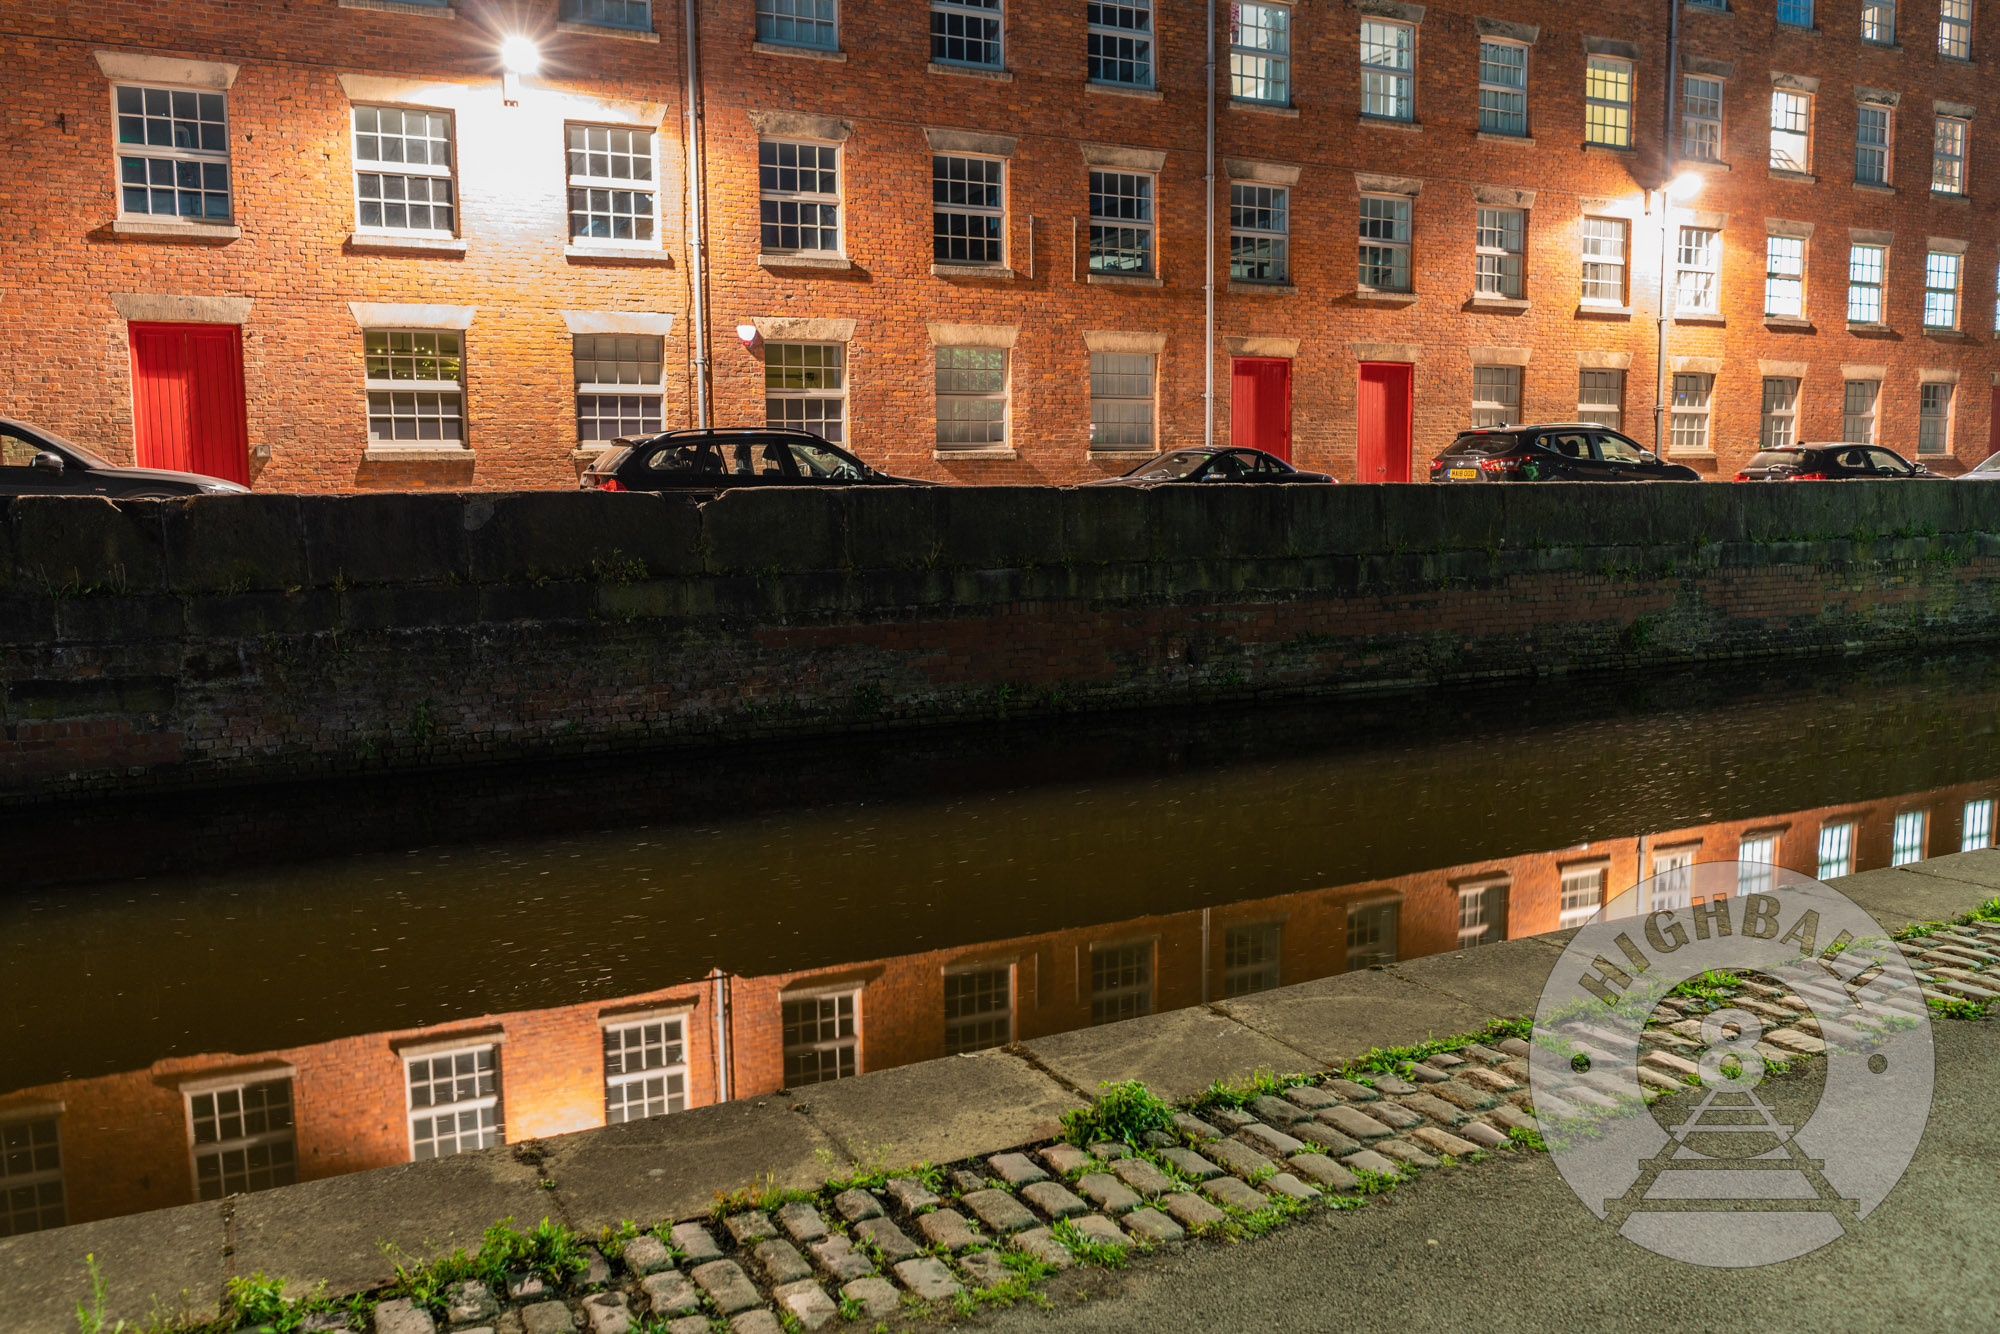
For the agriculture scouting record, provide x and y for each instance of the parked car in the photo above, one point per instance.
(716, 460)
(1989, 471)
(1553, 452)
(1211, 463)
(1835, 461)
(37, 462)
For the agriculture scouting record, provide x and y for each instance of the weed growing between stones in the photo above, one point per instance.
(1390, 1060)
(1528, 1139)
(1123, 1112)
(763, 1193)
(549, 1251)
(1088, 1249)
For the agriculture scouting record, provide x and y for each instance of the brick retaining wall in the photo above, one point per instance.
(252, 638)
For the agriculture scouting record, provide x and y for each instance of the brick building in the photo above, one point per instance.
(195, 1127)
(330, 244)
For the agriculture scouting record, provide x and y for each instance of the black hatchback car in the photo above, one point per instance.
(35, 462)
(1831, 462)
(1556, 452)
(1211, 463)
(717, 460)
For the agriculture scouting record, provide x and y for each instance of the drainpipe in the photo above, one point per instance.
(721, 1035)
(698, 242)
(1208, 255)
(1666, 206)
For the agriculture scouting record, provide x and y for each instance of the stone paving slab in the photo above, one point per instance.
(144, 1259)
(1153, 1226)
(928, 1278)
(1177, 1054)
(670, 1294)
(838, 1257)
(808, 1303)
(1504, 979)
(941, 1111)
(894, 1243)
(1190, 1210)
(999, 1210)
(1335, 1019)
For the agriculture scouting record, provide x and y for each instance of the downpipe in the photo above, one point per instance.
(1208, 255)
(698, 247)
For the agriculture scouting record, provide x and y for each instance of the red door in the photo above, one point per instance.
(1382, 416)
(187, 399)
(1260, 405)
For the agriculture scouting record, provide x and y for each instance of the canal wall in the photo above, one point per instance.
(239, 639)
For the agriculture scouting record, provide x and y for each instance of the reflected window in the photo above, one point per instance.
(1906, 843)
(31, 1181)
(454, 1102)
(645, 1070)
(1836, 850)
(822, 1038)
(978, 1009)
(1977, 827)
(1371, 934)
(1759, 855)
(1582, 894)
(1482, 913)
(243, 1138)
(1250, 959)
(1672, 878)
(1121, 982)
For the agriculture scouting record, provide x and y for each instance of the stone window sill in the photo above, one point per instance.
(176, 231)
(1872, 187)
(592, 254)
(1384, 123)
(401, 7)
(1897, 47)
(1492, 137)
(801, 52)
(1385, 298)
(1854, 328)
(993, 272)
(1263, 108)
(445, 245)
(417, 454)
(1497, 303)
(1702, 164)
(1263, 289)
(838, 262)
(1691, 454)
(1612, 149)
(1119, 90)
(971, 72)
(1802, 177)
(1945, 335)
(605, 30)
(1951, 196)
(981, 454)
(1787, 322)
(1699, 317)
(1610, 312)
(1130, 454)
(1120, 280)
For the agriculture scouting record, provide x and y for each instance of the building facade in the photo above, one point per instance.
(339, 244)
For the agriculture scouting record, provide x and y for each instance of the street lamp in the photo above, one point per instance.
(1677, 191)
(518, 56)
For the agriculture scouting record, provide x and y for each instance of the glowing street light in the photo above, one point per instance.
(1684, 186)
(518, 56)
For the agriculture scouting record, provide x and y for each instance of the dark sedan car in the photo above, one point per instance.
(716, 460)
(1830, 462)
(1211, 463)
(1554, 452)
(35, 462)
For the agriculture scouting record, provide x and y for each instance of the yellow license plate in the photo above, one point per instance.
(1464, 474)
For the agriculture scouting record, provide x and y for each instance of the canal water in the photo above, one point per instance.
(230, 991)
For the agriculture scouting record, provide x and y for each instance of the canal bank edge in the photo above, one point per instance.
(347, 1230)
(227, 640)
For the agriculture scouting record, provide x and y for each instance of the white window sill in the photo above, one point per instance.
(1787, 322)
(837, 262)
(418, 454)
(1699, 317)
(1120, 90)
(1263, 108)
(605, 30)
(1379, 298)
(996, 272)
(1802, 177)
(401, 7)
(1120, 280)
(447, 245)
(185, 231)
(801, 52)
(1603, 308)
(1499, 303)
(980, 453)
(1867, 327)
(1495, 137)
(1263, 289)
(1690, 453)
(609, 254)
(971, 72)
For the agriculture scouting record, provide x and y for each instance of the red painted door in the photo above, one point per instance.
(187, 399)
(1260, 405)
(1382, 416)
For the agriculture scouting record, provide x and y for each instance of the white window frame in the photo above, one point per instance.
(1849, 417)
(1399, 213)
(954, 1045)
(1950, 141)
(1580, 893)
(1698, 271)
(1785, 276)
(201, 158)
(1119, 44)
(1144, 952)
(1593, 383)
(478, 1103)
(245, 1143)
(1265, 202)
(614, 186)
(1701, 118)
(1955, 29)
(1867, 275)
(982, 396)
(1495, 92)
(1264, 972)
(820, 1046)
(1607, 120)
(1878, 22)
(1874, 143)
(1109, 183)
(39, 1211)
(1780, 422)
(1595, 258)
(773, 19)
(1791, 148)
(1150, 398)
(1388, 70)
(1267, 69)
(373, 385)
(1381, 921)
(1836, 850)
(1935, 400)
(815, 198)
(591, 13)
(984, 12)
(1496, 396)
(1475, 902)
(832, 356)
(1908, 836)
(1688, 420)
(1943, 271)
(647, 412)
(950, 208)
(672, 1041)
(430, 170)
(1500, 253)
(1672, 880)
(1976, 825)
(1759, 853)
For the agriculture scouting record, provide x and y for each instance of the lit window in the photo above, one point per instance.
(1878, 21)
(402, 171)
(968, 210)
(416, 392)
(611, 184)
(1250, 959)
(1784, 275)
(1906, 840)
(1864, 283)
(1604, 260)
(1955, 29)
(1496, 396)
(1121, 400)
(978, 1009)
(971, 397)
(1121, 223)
(1600, 397)
(1260, 49)
(1948, 157)
(1701, 119)
(1607, 102)
(1259, 223)
(822, 1038)
(966, 32)
(635, 14)
(1798, 13)
(1871, 145)
(1698, 274)
(31, 1178)
(1781, 412)
(1857, 411)
(1120, 41)
(1759, 856)
(1121, 982)
(1582, 894)
(1976, 828)
(618, 386)
(1791, 131)
(1836, 851)
(799, 23)
(173, 153)
(1503, 87)
(1371, 934)
(1500, 238)
(1385, 243)
(454, 1102)
(1934, 419)
(1388, 62)
(1941, 290)
(1688, 430)
(1482, 914)
(805, 388)
(799, 197)
(645, 1070)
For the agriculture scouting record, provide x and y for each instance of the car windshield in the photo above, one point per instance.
(1169, 467)
(1992, 464)
(611, 458)
(823, 461)
(1485, 444)
(1777, 458)
(88, 456)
